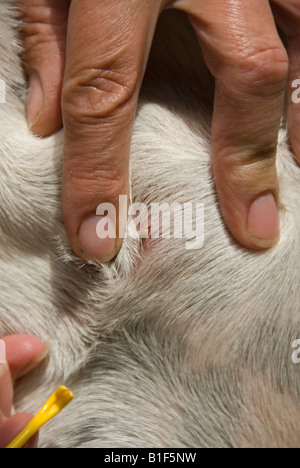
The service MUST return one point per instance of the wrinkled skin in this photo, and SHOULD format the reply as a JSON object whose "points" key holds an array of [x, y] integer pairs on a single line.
{"points": [[85, 62]]}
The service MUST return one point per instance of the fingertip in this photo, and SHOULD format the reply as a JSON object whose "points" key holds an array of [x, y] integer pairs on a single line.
{"points": [[43, 31], [97, 239], [263, 220], [35, 100], [255, 223], [43, 111], [6, 390], [24, 352], [95, 218]]}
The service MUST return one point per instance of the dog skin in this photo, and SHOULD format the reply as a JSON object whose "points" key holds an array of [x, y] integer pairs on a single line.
{"points": [[163, 347]]}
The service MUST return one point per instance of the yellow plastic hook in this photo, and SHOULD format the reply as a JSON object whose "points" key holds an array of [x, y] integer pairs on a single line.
{"points": [[57, 402]]}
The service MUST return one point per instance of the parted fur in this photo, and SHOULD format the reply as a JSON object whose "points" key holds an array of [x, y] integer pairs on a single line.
{"points": [[164, 347]]}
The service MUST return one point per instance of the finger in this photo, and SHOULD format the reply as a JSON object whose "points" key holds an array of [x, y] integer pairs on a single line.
{"points": [[6, 390], [249, 62], [107, 49], [24, 352], [11, 427], [287, 15], [44, 24], [294, 94]]}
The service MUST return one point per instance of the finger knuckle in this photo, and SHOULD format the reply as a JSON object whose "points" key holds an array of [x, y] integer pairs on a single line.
{"points": [[96, 94], [265, 68]]}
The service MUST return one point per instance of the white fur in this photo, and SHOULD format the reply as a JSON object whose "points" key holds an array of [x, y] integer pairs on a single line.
{"points": [[164, 347]]}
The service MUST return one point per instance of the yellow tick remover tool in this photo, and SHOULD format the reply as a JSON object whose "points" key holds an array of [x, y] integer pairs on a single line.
{"points": [[57, 402]]}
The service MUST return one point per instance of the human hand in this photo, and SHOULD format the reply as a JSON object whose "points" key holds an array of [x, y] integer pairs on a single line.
{"points": [[23, 353], [86, 61]]}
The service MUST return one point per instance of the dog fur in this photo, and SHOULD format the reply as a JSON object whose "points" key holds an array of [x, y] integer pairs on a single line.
{"points": [[163, 347]]}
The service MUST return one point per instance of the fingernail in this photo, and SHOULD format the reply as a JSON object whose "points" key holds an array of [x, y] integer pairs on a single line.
{"points": [[97, 238], [35, 100], [263, 220], [35, 361]]}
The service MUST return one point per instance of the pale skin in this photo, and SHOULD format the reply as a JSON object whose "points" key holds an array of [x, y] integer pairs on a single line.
{"points": [[85, 61], [23, 353]]}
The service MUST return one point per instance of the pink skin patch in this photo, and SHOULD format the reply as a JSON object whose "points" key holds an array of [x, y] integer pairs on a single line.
{"points": [[2, 352]]}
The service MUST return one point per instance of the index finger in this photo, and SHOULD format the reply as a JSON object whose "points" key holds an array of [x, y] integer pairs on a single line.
{"points": [[108, 44]]}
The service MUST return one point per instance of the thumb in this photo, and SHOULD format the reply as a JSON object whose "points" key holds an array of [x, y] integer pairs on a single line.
{"points": [[44, 25]]}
